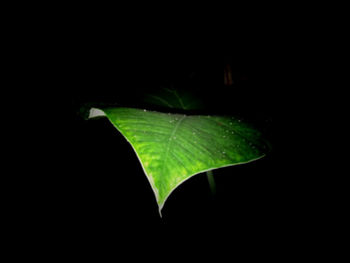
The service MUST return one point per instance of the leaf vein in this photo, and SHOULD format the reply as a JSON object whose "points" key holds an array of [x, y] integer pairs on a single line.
{"points": [[169, 142]]}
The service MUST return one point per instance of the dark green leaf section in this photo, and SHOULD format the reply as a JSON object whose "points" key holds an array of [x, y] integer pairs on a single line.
{"points": [[174, 147], [174, 99]]}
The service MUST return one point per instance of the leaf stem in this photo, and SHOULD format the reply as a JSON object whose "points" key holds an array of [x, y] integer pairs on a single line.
{"points": [[211, 182]]}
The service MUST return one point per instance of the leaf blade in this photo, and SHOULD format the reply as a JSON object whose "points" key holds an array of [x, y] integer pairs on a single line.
{"points": [[174, 147]]}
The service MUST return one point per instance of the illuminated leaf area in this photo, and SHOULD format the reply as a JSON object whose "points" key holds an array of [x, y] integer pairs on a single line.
{"points": [[174, 147]]}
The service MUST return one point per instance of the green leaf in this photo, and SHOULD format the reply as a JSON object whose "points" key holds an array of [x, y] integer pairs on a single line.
{"points": [[174, 147], [174, 99]]}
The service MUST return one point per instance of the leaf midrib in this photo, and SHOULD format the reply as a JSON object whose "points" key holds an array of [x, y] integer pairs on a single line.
{"points": [[170, 141]]}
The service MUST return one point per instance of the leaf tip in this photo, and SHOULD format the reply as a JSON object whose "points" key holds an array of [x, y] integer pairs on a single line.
{"points": [[160, 212], [160, 208]]}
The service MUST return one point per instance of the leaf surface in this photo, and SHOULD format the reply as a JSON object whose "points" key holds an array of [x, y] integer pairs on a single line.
{"points": [[174, 147]]}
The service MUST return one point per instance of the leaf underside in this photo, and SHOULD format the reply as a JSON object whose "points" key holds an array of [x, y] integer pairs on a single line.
{"points": [[174, 147]]}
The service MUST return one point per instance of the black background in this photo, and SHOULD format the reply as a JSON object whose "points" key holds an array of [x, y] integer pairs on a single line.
{"points": [[107, 188], [80, 183], [95, 186]]}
